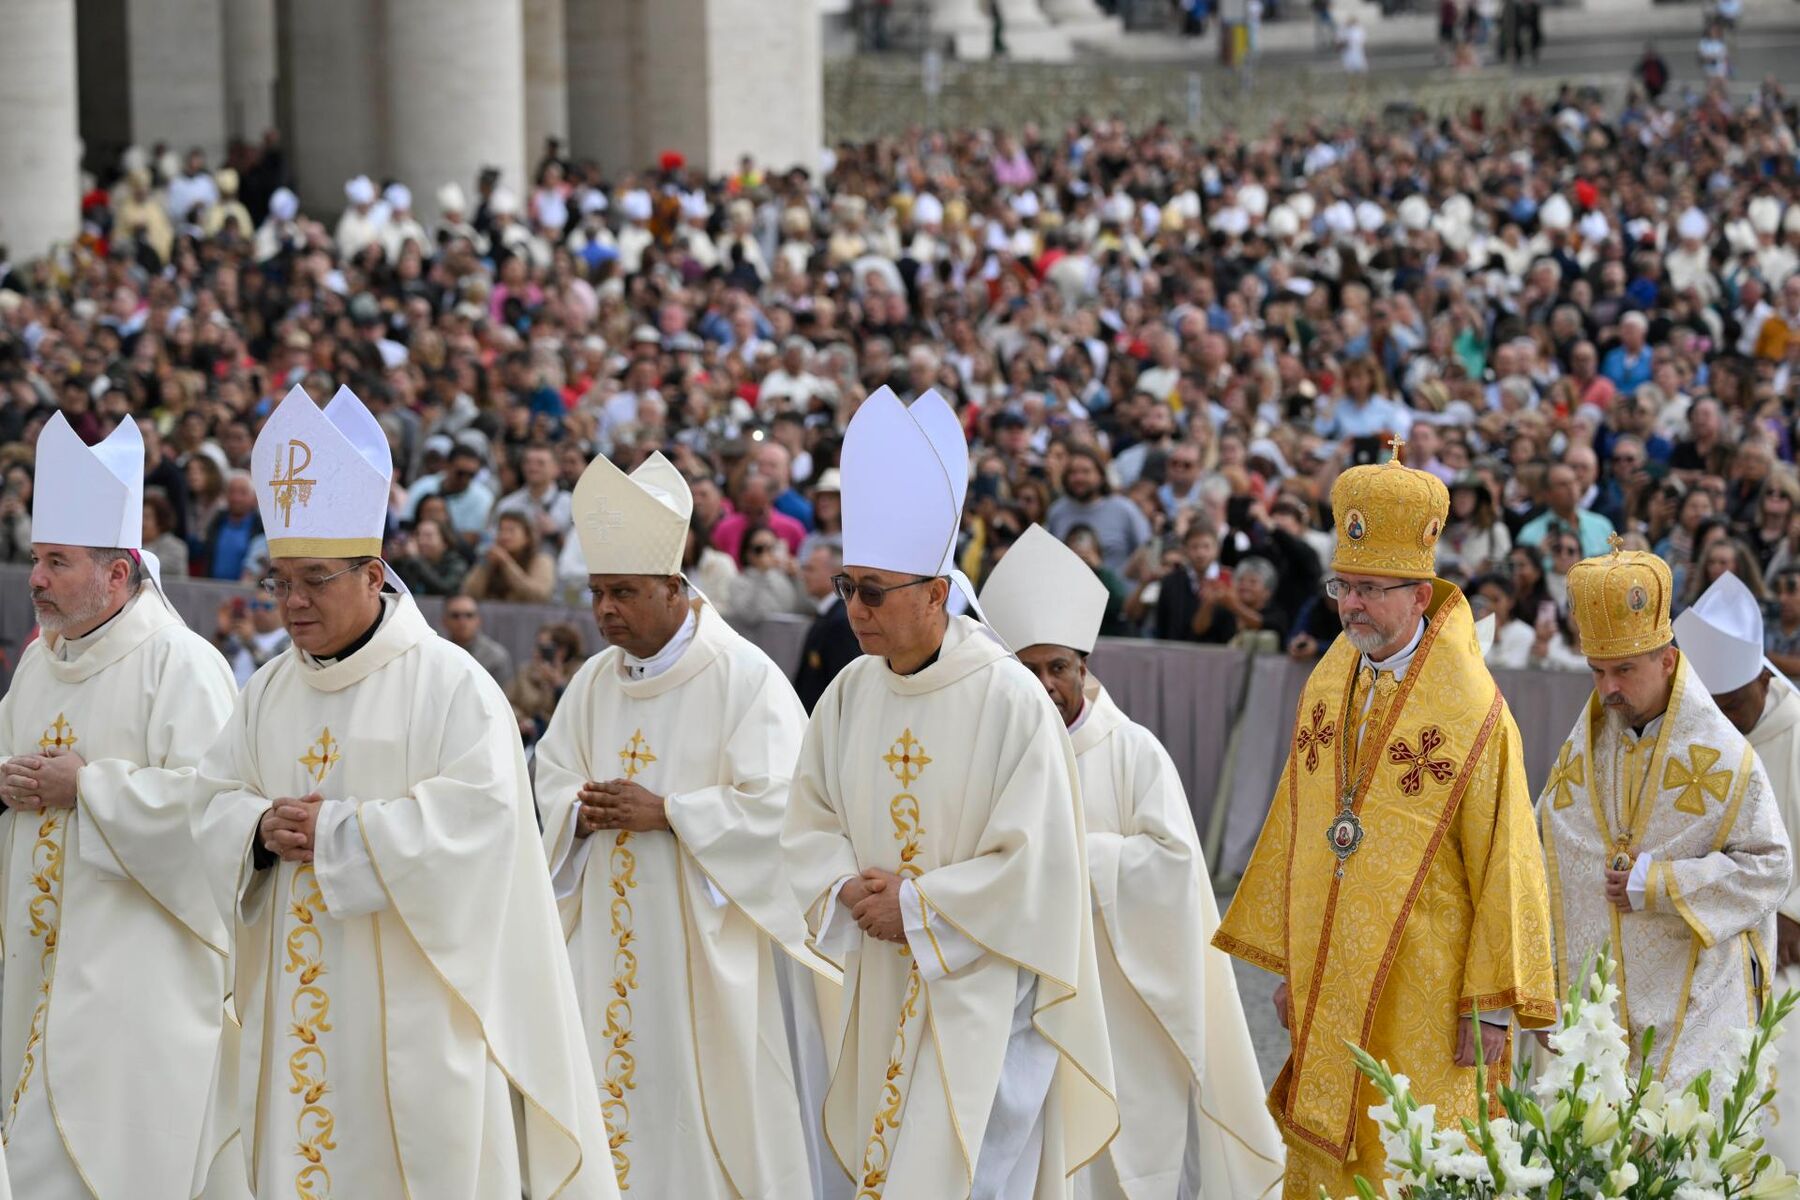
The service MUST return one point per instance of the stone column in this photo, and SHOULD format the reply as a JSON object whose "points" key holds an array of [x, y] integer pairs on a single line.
{"points": [[40, 148], [333, 97], [250, 68], [457, 100], [1029, 35], [1073, 11], [177, 51], [546, 76], [777, 116], [603, 74]]}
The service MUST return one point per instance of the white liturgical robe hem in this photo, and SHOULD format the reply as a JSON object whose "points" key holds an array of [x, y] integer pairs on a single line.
{"points": [[673, 935], [1181, 1046], [385, 1052], [959, 779], [1776, 739], [112, 999]]}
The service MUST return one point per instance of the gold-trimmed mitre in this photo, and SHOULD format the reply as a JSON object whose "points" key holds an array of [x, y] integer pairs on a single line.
{"points": [[1388, 520], [1621, 603]]}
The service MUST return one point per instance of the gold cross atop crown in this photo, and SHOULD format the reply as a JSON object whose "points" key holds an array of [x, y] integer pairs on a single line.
{"points": [[1615, 541], [1397, 444]]}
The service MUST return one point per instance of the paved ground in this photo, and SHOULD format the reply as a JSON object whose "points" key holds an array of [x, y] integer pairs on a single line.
{"points": [[1600, 41]]}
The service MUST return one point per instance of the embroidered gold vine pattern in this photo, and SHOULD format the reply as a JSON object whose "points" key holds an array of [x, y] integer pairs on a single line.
{"points": [[619, 1072], [907, 760], [45, 911], [311, 1005]]}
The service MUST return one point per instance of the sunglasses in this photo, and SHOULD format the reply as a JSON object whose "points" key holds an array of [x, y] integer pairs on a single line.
{"points": [[870, 594]]}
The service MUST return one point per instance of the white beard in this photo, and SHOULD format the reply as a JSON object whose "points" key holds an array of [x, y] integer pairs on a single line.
{"points": [[90, 604]]}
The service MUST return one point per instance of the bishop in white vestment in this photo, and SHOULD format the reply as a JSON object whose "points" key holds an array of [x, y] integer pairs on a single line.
{"points": [[934, 839], [1662, 837], [409, 1018], [662, 781], [112, 1006], [1721, 636], [1181, 1047]]}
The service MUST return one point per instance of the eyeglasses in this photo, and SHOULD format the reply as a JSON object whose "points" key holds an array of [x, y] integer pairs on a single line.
{"points": [[460, 616], [1368, 593], [760, 548], [308, 589], [870, 594]]}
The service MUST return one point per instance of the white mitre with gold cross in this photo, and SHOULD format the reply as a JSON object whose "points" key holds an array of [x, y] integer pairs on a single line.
{"points": [[322, 478], [1042, 594], [634, 524]]}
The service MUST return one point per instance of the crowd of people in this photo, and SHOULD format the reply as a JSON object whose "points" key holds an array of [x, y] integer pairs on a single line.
{"points": [[1584, 320]]}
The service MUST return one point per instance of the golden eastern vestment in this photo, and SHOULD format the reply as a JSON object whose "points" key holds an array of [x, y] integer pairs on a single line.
{"points": [[679, 939], [112, 1015], [1441, 908], [1695, 959]]}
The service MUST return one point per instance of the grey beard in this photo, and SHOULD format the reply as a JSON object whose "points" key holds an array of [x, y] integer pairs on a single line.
{"points": [[92, 603], [1365, 638]]}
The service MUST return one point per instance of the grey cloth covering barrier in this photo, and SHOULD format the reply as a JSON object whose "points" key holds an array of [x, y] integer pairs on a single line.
{"points": [[1183, 693]]}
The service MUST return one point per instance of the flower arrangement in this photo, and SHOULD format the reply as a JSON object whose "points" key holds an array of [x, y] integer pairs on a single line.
{"points": [[1589, 1130]]}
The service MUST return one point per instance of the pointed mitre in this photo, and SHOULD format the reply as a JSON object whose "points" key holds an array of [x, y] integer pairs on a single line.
{"points": [[632, 524], [905, 472], [322, 478], [89, 495], [1042, 594], [1722, 636]]}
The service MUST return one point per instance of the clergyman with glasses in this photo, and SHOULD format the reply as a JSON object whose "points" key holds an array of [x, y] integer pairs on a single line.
{"points": [[934, 839], [402, 984], [1397, 888]]}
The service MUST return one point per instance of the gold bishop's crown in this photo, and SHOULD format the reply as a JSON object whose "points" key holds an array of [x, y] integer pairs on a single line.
{"points": [[1621, 602], [1388, 519]]}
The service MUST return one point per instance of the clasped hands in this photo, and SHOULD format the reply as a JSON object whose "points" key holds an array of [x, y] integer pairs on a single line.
{"points": [[873, 899], [618, 804], [32, 782], [288, 828]]}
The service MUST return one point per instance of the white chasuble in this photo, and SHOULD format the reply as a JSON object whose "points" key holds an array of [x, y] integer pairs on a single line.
{"points": [[1179, 1038], [112, 1014], [399, 993], [673, 936], [1691, 798], [1776, 740], [960, 779]]}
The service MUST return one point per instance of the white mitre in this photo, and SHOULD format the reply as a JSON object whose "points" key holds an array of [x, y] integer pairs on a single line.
{"points": [[322, 478], [89, 495], [905, 471], [1042, 594], [634, 524], [1722, 636]]}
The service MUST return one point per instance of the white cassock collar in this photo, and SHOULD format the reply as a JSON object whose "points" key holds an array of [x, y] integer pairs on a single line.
{"points": [[662, 660], [1399, 662]]}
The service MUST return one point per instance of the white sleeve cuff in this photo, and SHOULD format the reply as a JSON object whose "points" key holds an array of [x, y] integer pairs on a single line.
{"points": [[838, 934], [1500, 1016], [346, 876], [565, 874], [1634, 887], [937, 946]]}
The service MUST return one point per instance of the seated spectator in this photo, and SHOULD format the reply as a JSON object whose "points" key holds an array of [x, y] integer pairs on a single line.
{"points": [[1781, 636], [754, 510], [514, 569], [231, 539], [1475, 539], [711, 571], [15, 515], [462, 628], [249, 633], [1250, 601], [768, 585], [1183, 589], [1562, 510], [159, 534], [1115, 521], [538, 685], [467, 500], [540, 498], [429, 562], [1086, 545], [1513, 638]]}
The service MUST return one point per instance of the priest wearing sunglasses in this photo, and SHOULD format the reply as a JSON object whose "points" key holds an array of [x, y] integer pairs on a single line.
{"points": [[933, 838]]}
